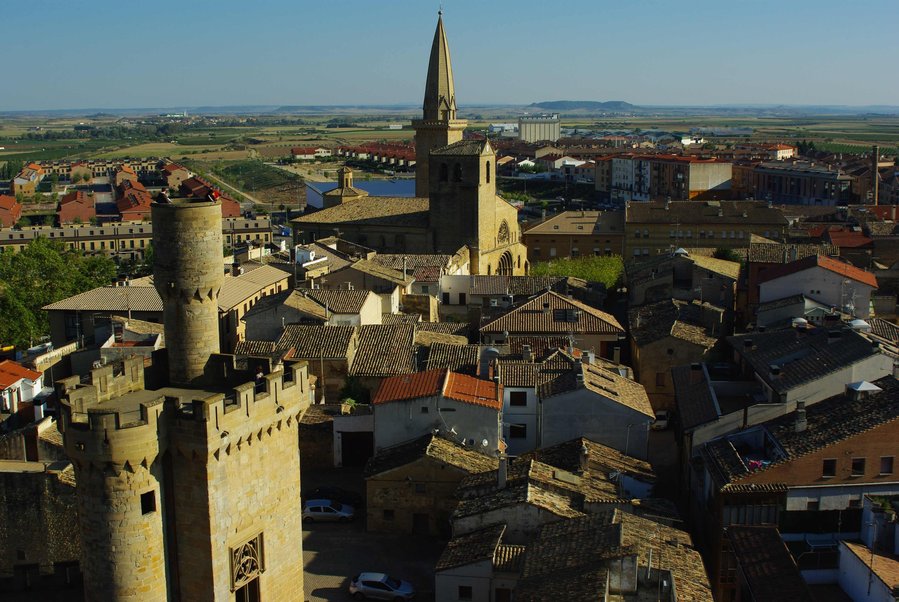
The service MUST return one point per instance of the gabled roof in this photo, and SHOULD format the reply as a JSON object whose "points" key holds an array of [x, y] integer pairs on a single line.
{"points": [[459, 387], [532, 317], [767, 565], [314, 342], [681, 320], [12, 372], [477, 546], [384, 211], [602, 381], [378, 271], [339, 301], [384, 350], [237, 289], [581, 453], [844, 270], [800, 356], [763, 251], [469, 389], [432, 446], [458, 358], [111, 298]]}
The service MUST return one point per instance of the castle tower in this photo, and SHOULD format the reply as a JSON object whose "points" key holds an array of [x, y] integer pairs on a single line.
{"points": [[438, 126], [188, 274], [115, 448]]}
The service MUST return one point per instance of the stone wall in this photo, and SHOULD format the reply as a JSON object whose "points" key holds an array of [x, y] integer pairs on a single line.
{"points": [[38, 516]]}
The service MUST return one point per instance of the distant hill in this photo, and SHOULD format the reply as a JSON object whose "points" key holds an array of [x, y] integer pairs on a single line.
{"points": [[585, 105]]}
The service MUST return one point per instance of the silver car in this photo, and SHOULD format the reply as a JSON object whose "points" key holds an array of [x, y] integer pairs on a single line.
{"points": [[380, 586], [327, 510]]}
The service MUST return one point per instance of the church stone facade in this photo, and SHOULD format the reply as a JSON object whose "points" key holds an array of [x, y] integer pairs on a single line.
{"points": [[456, 205]]}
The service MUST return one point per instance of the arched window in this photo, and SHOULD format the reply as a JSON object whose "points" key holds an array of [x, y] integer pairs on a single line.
{"points": [[488, 171], [444, 173], [457, 173], [502, 236]]}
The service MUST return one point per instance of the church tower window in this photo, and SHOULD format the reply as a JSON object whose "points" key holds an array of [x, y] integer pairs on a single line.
{"points": [[488, 171], [457, 173]]}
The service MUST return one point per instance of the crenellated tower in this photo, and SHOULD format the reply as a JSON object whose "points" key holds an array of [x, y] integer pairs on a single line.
{"points": [[188, 273], [438, 126]]}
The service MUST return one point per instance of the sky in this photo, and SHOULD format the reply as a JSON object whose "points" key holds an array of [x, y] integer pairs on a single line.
{"points": [[114, 54]]}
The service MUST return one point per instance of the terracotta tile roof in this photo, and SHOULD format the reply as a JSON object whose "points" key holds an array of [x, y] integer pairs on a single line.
{"points": [[463, 147], [10, 211], [884, 329], [599, 459], [425, 339], [456, 328], [541, 346], [237, 289], [413, 260], [563, 316], [706, 212], [583, 223], [111, 298], [12, 372], [339, 301], [311, 342], [515, 374], [469, 389], [508, 558], [432, 446], [731, 269], [773, 252], [681, 320], [398, 211], [836, 266], [472, 547], [516, 286], [695, 404], [457, 358], [255, 348], [602, 381], [378, 271], [410, 386], [767, 565], [884, 566], [801, 356], [848, 239], [384, 350], [76, 205]]}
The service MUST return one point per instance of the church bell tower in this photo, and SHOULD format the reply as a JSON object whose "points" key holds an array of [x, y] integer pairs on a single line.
{"points": [[438, 126]]}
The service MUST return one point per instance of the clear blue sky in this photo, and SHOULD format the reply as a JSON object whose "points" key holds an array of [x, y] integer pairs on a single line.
{"points": [[166, 53]]}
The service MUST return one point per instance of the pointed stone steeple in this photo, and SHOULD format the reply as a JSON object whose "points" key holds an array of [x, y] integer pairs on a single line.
{"points": [[440, 93], [438, 126]]}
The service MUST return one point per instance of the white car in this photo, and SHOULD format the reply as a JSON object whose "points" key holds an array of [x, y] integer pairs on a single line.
{"points": [[661, 421], [380, 586], [327, 510]]}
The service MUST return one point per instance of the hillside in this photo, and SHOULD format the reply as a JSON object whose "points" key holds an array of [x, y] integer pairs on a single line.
{"points": [[617, 106]]}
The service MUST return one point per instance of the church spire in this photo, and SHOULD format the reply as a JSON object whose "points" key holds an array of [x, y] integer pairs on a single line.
{"points": [[440, 93]]}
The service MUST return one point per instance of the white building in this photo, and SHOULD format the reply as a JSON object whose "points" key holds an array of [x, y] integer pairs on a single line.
{"points": [[538, 128], [18, 385]]}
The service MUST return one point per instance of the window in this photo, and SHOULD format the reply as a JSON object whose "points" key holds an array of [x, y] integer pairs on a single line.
{"points": [[420, 488], [829, 469], [886, 465], [518, 431], [488, 171], [465, 592], [387, 514], [518, 398], [424, 409], [148, 502], [855, 502], [457, 173], [812, 505], [660, 379], [858, 467]]}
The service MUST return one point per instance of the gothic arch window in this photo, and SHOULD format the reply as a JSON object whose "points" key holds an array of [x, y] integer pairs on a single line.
{"points": [[503, 235], [247, 562], [457, 172], [488, 171], [444, 173]]}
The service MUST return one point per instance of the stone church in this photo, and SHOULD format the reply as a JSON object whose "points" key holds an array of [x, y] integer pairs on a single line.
{"points": [[455, 204]]}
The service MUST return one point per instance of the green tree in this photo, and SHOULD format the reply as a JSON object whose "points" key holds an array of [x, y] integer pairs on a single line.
{"points": [[43, 273], [607, 270], [726, 254]]}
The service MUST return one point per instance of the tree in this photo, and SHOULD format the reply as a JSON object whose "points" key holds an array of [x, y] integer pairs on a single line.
{"points": [[607, 270], [727, 255], [43, 273]]}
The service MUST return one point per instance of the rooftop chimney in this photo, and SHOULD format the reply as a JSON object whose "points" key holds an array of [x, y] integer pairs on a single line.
{"points": [[502, 472], [405, 261], [801, 423], [526, 354], [584, 456]]}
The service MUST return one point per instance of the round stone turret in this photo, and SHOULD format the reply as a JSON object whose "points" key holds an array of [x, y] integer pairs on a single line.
{"points": [[188, 273]]}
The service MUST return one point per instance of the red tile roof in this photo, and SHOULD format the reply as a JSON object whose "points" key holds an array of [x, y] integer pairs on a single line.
{"points": [[459, 387], [469, 389], [76, 205], [409, 386], [10, 211], [828, 263], [12, 372], [848, 239]]}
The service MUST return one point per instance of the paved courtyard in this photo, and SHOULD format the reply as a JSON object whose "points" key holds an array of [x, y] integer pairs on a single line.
{"points": [[335, 552]]}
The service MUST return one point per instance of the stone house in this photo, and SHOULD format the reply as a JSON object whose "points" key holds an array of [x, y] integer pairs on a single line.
{"points": [[806, 471], [595, 401], [268, 318], [671, 333], [458, 405], [682, 276], [330, 352], [410, 487], [552, 315], [389, 284]]}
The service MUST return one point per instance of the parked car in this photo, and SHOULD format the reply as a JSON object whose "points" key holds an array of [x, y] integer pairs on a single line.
{"points": [[661, 421], [329, 492], [327, 510], [380, 586]]}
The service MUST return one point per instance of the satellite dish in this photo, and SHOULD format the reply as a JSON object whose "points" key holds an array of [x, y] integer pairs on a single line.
{"points": [[484, 443]]}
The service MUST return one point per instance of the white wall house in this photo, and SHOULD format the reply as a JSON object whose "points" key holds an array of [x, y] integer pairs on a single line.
{"points": [[18, 384], [824, 280]]}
